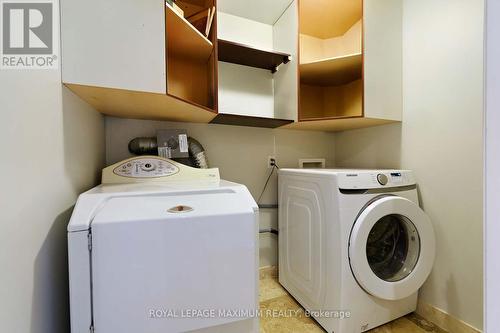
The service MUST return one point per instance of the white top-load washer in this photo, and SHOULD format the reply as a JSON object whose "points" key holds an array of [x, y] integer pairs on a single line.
{"points": [[354, 245], [161, 247]]}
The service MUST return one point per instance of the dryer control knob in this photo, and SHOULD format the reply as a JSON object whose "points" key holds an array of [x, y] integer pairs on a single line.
{"points": [[382, 179]]}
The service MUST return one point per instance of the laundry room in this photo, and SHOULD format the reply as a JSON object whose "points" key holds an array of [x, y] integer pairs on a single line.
{"points": [[225, 166]]}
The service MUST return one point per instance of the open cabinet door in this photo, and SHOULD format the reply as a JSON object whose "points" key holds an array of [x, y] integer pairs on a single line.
{"points": [[191, 40]]}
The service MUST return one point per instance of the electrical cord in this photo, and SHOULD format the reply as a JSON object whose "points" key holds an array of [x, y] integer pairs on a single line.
{"points": [[275, 166]]}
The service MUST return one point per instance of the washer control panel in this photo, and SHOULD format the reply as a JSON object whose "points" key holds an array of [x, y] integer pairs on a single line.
{"points": [[146, 168], [155, 169], [382, 179], [370, 179]]}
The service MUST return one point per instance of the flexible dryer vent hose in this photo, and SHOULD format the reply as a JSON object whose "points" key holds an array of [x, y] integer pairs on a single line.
{"points": [[197, 154], [149, 146], [143, 146]]}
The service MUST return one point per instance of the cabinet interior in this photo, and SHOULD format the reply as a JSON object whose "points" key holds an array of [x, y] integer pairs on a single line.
{"points": [[255, 39], [191, 55], [331, 59]]}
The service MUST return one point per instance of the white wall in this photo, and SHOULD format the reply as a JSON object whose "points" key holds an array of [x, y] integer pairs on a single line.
{"points": [[52, 146], [441, 140], [492, 165], [239, 152]]}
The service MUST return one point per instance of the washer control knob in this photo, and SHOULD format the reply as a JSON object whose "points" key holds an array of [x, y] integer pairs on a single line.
{"points": [[148, 167], [382, 179]]}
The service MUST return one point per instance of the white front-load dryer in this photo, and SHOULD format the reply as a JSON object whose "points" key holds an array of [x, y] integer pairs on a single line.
{"points": [[354, 245]]}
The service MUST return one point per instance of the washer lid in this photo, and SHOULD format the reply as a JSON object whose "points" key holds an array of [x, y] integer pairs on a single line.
{"points": [[392, 248], [172, 207], [90, 203]]}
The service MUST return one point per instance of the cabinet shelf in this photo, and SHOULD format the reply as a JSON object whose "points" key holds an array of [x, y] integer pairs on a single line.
{"points": [[241, 54], [142, 105], [332, 71], [251, 121], [188, 41], [337, 124]]}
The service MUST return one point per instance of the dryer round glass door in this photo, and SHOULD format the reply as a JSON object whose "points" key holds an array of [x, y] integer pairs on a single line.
{"points": [[391, 248]]}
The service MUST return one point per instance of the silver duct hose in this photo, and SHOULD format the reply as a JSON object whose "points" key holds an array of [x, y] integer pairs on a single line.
{"points": [[149, 146], [143, 146], [197, 154]]}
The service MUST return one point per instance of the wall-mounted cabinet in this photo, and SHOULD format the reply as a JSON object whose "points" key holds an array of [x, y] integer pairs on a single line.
{"points": [[303, 64], [350, 64], [257, 62], [141, 59]]}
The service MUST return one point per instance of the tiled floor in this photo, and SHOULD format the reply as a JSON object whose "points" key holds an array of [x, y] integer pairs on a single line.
{"points": [[274, 297]]}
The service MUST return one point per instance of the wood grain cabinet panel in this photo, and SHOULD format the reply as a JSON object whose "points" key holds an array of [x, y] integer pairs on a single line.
{"points": [[350, 64]]}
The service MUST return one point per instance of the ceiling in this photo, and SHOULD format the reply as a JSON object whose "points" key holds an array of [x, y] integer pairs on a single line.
{"points": [[264, 11], [328, 18]]}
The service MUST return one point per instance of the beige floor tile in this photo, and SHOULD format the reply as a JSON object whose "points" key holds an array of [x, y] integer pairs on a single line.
{"points": [[269, 289], [424, 324], [282, 314], [269, 272], [401, 325]]}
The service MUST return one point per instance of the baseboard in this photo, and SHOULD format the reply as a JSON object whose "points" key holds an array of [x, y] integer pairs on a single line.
{"points": [[443, 319]]}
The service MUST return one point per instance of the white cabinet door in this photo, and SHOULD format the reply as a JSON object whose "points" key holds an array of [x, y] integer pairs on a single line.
{"points": [[114, 44], [285, 30], [383, 59]]}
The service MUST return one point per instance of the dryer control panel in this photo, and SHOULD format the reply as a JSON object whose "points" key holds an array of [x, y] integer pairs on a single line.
{"points": [[154, 169]]}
